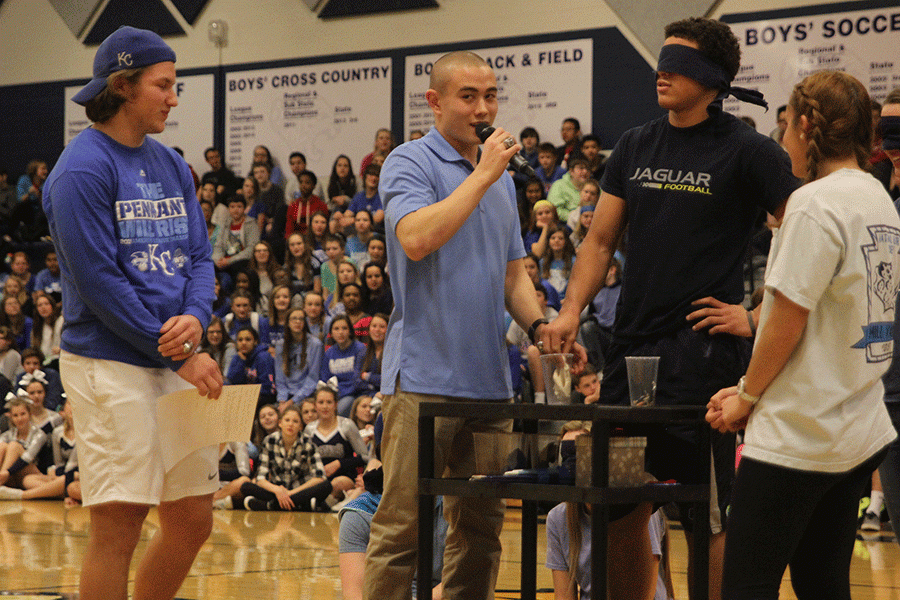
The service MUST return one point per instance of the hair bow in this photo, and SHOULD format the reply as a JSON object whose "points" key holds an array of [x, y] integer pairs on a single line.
{"points": [[38, 375], [331, 384], [20, 394]]}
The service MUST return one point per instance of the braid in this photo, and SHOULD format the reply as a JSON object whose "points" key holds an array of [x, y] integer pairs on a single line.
{"points": [[817, 143], [838, 111]]}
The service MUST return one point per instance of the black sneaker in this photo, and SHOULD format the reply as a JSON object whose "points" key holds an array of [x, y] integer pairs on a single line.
{"points": [[252, 503]]}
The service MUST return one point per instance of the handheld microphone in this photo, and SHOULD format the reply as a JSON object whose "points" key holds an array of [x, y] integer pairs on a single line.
{"points": [[517, 162]]}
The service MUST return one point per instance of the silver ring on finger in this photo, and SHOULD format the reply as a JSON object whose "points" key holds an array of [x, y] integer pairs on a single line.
{"points": [[509, 142], [540, 345], [188, 346]]}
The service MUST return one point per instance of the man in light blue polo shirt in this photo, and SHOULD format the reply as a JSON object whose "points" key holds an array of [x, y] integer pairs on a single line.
{"points": [[455, 257]]}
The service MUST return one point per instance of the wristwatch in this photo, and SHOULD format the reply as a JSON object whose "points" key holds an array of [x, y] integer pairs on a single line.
{"points": [[533, 329], [744, 395]]}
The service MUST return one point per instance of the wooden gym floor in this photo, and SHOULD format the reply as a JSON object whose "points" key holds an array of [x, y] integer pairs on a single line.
{"points": [[294, 556]]}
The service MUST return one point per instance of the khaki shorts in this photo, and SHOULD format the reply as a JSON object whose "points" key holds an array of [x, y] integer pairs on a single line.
{"points": [[119, 449]]}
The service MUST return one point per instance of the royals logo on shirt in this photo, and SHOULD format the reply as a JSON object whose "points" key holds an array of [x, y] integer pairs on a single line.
{"points": [[153, 219], [883, 273]]}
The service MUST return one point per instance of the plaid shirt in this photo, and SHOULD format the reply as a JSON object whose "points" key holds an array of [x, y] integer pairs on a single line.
{"points": [[289, 468]]}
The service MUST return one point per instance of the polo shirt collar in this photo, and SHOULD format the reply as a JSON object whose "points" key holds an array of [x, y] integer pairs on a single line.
{"points": [[442, 148]]}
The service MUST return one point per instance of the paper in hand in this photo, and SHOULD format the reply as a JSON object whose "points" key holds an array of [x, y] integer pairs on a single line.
{"points": [[188, 421]]}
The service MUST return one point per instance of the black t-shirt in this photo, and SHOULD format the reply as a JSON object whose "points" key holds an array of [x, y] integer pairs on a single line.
{"points": [[693, 196]]}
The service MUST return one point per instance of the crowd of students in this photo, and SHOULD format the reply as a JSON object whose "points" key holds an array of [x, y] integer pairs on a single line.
{"points": [[302, 307]]}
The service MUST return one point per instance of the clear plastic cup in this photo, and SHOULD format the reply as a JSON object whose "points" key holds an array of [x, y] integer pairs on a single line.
{"points": [[557, 377], [642, 373]]}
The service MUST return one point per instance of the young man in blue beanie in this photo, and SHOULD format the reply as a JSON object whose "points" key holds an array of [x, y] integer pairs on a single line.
{"points": [[137, 287]]}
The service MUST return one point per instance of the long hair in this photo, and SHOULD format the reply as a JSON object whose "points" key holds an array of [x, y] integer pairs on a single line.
{"points": [[250, 201], [368, 295], [253, 291], [338, 186], [339, 292], [304, 262], [523, 202], [37, 330], [290, 341], [353, 409], [346, 320], [268, 162], [839, 112], [258, 434], [371, 349], [273, 312], [22, 294], [15, 323], [218, 351], [311, 240], [574, 510], [107, 103], [7, 334], [271, 265], [568, 255], [322, 314]]}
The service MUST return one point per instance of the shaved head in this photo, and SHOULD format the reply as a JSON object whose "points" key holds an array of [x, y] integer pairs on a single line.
{"points": [[445, 65]]}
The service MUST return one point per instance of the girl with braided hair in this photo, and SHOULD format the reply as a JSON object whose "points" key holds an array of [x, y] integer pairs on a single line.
{"points": [[811, 398]]}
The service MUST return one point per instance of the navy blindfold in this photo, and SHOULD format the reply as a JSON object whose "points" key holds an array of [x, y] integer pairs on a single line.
{"points": [[690, 62], [889, 128]]}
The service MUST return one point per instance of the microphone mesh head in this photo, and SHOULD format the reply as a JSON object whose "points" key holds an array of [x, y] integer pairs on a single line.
{"points": [[483, 131]]}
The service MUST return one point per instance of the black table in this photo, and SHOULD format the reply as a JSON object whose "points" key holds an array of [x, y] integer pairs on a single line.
{"points": [[605, 419]]}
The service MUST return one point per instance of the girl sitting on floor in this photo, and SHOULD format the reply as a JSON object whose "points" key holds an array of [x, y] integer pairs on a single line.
{"points": [[19, 449], [290, 475], [337, 440]]}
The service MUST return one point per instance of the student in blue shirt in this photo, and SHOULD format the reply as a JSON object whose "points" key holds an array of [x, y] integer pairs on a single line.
{"points": [[367, 198], [137, 289], [298, 360], [344, 361]]}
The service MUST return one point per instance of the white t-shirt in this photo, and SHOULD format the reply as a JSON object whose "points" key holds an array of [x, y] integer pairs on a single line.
{"points": [[836, 254]]}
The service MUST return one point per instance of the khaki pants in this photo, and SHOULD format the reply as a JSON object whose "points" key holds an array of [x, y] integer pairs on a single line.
{"points": [[472, 555]]}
